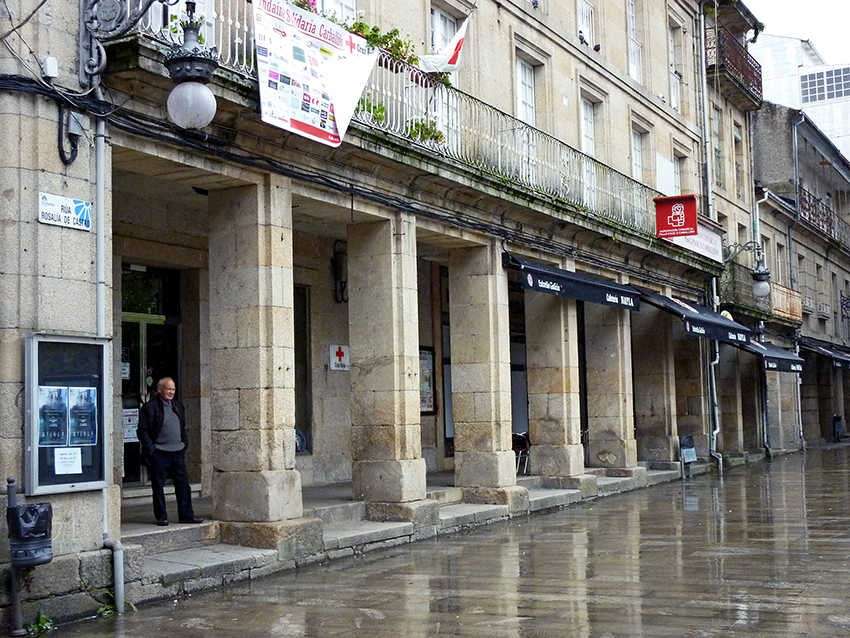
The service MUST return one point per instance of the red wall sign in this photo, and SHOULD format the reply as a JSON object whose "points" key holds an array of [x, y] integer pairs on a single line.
{"points": [[675, 216]]}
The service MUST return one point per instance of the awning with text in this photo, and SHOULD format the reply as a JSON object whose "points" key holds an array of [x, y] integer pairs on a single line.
{"points": [[573, 285], [699, 320]]}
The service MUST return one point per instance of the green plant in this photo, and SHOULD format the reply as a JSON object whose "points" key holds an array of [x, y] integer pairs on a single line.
{"points": [[424, 130], [109, 609], [443, 77], [400, 49], [41, 625], [375, 109]]}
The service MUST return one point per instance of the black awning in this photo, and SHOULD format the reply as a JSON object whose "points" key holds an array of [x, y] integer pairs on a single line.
{"points": [[776, 359], [573, 285], [699, 320], [839, 359]]}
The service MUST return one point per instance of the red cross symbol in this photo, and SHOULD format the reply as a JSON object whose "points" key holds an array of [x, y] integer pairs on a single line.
{"points": [[351, 44], [339, 354]]}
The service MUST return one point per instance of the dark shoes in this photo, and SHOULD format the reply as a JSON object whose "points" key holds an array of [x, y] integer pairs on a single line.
{"points": [[194, 519], [162, 522]]}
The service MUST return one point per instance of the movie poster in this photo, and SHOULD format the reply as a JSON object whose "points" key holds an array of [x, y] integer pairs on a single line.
{"points": [[52, 416], [83, 416]]}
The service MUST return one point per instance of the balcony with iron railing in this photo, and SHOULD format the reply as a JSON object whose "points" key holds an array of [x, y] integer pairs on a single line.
{"points": [[736, 291], [402, 101], [814, 211], [738, 72]]}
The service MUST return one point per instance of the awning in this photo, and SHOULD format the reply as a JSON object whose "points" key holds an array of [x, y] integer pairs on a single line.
{"points": [[699, 320], [573, 285], [839, 359], [776, 359]]}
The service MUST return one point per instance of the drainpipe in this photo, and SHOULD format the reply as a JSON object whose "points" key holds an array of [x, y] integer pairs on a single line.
{"points": [[709, 195], [765, 417], [100, 302], [799, 400]]}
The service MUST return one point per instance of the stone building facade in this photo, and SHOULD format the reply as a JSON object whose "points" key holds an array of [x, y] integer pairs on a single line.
{"points": [[297, 292]]}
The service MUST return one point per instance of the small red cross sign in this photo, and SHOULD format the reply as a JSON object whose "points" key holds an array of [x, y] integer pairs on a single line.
{"points": [[338, 358], [351, 44]]}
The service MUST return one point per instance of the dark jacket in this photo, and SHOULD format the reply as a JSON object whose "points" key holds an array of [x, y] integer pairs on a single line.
{"points": [[150, 423]]}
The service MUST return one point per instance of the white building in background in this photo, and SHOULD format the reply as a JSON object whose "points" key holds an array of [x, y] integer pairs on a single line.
{"points": [[796, 75]]}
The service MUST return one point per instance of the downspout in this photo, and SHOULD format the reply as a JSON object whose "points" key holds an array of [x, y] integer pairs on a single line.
{"points": [[709, 194], [100, 301], [765, 417], [794, 277], [799, 400]]}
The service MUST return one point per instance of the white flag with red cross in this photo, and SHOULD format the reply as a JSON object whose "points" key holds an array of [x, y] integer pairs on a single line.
{"points": [[449, 58]]}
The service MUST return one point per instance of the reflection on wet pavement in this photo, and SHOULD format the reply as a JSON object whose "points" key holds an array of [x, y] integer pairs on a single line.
{"points": [[762, 551]]}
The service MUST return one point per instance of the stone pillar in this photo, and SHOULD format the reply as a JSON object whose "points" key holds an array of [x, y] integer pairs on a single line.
{"points": [[654, 379], [388, 470], [251, 355], [693, 396], [730, 441], [752, 422], [481, 379], [553, 386], [610, 414]]}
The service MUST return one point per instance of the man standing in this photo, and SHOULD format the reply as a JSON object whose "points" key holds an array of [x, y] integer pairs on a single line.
{"points": [[162, 434]]}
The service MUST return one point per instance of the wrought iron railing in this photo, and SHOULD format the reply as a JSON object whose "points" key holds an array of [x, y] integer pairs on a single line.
{"points": [[226, 24], [785, 302], [405, 102], [722, 49], [822, 217]]}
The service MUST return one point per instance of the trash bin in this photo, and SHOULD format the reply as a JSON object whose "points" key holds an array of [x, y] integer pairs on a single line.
{"points": [[30, 534], [837, 427]]}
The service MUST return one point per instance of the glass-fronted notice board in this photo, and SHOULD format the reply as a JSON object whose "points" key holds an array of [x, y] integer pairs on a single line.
{"points": [[66, 413]]}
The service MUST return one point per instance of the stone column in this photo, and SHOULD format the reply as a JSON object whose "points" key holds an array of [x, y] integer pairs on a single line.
{"points": [[731, 438], [388, 470], [252, 373], [553, 386], [693, 396], [654, 379], [610, 413], [485, 464]]}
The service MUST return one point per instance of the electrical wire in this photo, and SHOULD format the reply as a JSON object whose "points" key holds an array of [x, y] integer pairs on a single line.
{"points": [[156, 129], [5, 35]]}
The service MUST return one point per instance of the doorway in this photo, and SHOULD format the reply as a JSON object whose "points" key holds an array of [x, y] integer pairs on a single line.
{"points": [[150, 323]]}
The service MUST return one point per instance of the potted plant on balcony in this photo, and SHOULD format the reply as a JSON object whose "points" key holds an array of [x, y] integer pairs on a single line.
{"points": [[424, 130], [371, 111]]}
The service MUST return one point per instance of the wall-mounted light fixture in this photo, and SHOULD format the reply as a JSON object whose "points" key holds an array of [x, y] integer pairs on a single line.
{"points": [[339, 268], [761, 274], [191, 104]]}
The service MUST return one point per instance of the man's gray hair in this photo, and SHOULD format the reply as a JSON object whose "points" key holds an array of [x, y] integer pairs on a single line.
{"points": [[162, 381]]}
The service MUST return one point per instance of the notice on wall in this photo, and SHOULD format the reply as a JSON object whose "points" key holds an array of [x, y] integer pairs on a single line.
{"points": [[64, 211], [68, 460], [52, 416], [131, 424], [311, 71]]}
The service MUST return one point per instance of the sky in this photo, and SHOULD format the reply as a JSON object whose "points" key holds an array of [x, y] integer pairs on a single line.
{"points": [[824, 22]]}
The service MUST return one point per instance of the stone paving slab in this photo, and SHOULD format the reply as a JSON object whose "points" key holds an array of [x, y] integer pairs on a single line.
{"points": [[454, 517], [542, 499], [204, 562], [362, 533]]}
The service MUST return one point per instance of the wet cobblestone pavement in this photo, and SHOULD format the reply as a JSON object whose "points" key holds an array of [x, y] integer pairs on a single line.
{"points": [[762, 551]]}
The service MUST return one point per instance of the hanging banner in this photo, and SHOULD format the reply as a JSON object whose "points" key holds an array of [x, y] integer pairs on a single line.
{"points": [[311, 71]]}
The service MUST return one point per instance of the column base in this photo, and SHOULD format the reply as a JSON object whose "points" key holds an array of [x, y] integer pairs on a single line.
{"points": [[257, 496], [293, 539], [485, 469], [399, 481], [424, 514], [612, 453], [556, 460]]}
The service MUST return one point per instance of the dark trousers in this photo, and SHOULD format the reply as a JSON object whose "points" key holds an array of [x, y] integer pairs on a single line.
{"points": [[165, 465]]}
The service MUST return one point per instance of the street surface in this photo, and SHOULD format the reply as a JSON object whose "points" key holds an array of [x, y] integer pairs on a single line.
{"points": [[762, 551]]}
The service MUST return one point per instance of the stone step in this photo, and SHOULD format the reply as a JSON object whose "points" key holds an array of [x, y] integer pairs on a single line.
{"points": [[175, 537], [171, 573], [462, 515], [338, 513], [445, 495], [136, 494], [543, 499], [348, 539], [526, 481]]}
